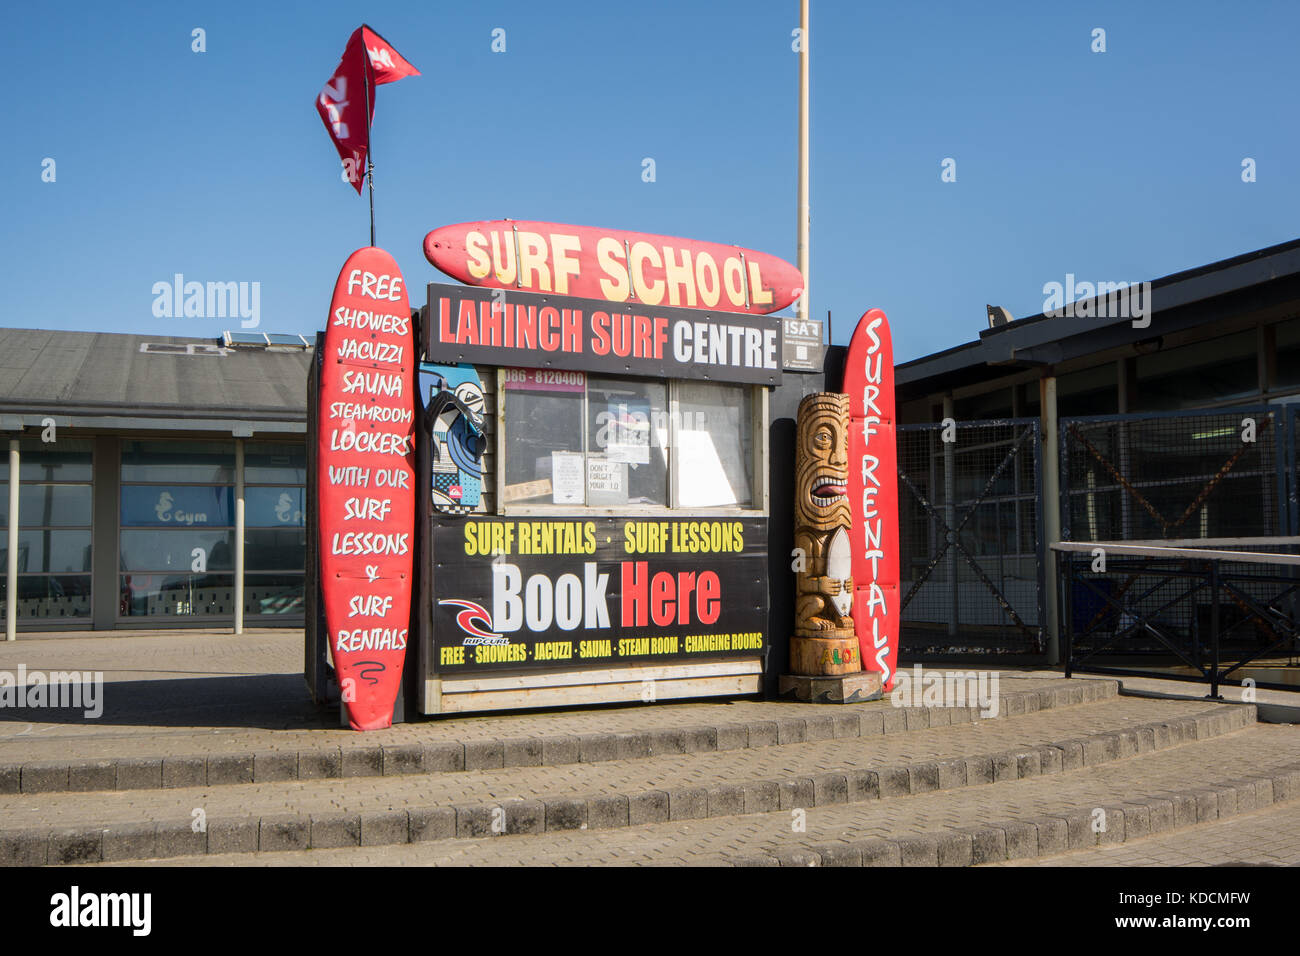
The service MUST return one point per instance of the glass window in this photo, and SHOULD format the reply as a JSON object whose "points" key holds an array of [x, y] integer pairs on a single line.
{"points": [[544, 433], [67, 459], [44, 552], [202, 462], [1192, 375], [627, 443], [1092, 391], [275, 463], [173, 550], [273, 594], [715, 445], [44, 596], [49, 506], [275, 549], [55, 505], [1287, 374], [605, 442], [271, 507], [177, 595], [172, 506]]}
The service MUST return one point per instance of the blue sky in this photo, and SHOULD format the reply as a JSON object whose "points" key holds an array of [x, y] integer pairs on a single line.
{"points": [[1114, 166]]}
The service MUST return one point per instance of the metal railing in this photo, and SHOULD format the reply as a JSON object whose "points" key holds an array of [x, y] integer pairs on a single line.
{"points": [[1215, 605]]}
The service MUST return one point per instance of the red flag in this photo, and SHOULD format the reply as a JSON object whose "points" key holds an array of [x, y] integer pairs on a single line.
{"points": [[368, 59], [386, 64]]}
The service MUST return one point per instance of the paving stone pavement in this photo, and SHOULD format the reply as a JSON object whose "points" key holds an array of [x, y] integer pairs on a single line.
{"points": [[1046, 811], [223, 723], [667, 773], [201, 710], [1267, 837]]}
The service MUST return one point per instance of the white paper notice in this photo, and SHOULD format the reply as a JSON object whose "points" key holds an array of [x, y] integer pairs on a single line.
{"points": [[567, 478], [606, 482]]}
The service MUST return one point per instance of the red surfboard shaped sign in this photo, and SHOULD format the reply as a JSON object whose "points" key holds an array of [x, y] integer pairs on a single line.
{"points": [[613, 264], [873, 494], [366, 483]]}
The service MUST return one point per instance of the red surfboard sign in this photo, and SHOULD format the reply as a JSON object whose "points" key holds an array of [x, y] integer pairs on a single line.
{"points": [[613, 264], [366, 483], [873, 494]]}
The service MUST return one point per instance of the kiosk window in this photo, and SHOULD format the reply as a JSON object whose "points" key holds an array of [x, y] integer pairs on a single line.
{"points": [[715, 450], [627, 455], [576, 441], [544, 414]]}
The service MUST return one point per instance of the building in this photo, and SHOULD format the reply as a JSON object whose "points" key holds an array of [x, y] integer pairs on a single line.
{"points": [[1174, 421], [133, 454]]}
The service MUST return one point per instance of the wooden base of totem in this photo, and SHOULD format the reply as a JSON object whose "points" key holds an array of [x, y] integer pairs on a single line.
{"points": [[828, 656], [841, 689]]}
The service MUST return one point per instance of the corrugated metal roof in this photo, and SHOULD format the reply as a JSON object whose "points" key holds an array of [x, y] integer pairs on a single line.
{"points": [[107, 372]]}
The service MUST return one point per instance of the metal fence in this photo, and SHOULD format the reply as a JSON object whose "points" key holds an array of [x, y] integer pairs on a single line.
{"points": [[1201, 474], [1210, 479], [970, 537], [1181, 610]]}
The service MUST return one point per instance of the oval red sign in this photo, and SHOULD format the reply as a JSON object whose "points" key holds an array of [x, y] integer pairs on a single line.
{"points": [[366, 483], [613, 264]]}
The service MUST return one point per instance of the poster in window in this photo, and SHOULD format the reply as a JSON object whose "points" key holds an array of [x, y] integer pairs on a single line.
{"points": [[626, 431]]}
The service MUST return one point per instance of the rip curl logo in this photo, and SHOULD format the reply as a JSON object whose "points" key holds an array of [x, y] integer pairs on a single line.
{"points": [[469, 619]]}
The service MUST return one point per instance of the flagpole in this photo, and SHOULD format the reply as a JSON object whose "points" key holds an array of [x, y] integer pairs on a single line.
{"points": [[801, 305], [370, 163]]}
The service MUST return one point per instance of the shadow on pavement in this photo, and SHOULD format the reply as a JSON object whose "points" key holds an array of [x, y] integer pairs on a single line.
{"points": [[269, 701]]}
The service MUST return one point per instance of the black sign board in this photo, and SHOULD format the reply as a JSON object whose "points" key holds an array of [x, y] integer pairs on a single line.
{"points": [[563, 593], [803, 348], [501, 328]]}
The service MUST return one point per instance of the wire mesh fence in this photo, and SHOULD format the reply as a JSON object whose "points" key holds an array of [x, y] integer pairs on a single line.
{"points": [[1204, 480], [970, 536], [1173, 475]]}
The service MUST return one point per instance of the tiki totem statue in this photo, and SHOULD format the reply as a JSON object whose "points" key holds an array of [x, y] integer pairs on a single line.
{"points": [[824, 642]]}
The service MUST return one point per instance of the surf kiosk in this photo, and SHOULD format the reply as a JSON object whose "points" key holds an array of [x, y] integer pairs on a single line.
{"points": [[591, 464]]}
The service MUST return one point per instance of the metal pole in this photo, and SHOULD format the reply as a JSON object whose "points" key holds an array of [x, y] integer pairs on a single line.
{"points": [[11, 572], [950, 519], [801, 306], [1214, 626], [1066, 559], [370, 164], [239, 536], [1051, 463]]}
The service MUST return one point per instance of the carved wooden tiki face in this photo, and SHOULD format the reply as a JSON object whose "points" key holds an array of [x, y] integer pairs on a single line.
{"points": [[822, 463]]}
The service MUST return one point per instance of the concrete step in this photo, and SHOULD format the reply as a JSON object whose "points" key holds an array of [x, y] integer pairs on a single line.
{"points": [[1179, 791], [94, 758], [109, 825], [1266, 836]]}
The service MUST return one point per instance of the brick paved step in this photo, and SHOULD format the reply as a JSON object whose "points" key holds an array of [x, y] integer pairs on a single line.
{"points": [[1177, 791], [1268, 836], [115, 825], [99, 759]]}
